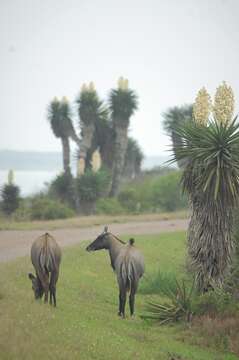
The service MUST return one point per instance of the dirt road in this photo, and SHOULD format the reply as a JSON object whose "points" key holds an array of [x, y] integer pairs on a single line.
{"points": [[15, 243]]}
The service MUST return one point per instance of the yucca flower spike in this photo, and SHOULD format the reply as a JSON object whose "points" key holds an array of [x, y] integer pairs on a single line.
{"points": [[224, 104], [202, 107]]}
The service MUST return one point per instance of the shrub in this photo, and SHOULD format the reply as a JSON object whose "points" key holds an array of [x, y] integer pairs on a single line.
{"points": [[23, 212], [215, 302], [109, 206], [92, 185], [166, 192], [43, 208], [128, 199], [158, 283], [62, 187], [154, 192], [179, 306], [10, 198]]}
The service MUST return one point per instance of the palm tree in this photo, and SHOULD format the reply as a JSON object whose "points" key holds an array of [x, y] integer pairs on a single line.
{"points": [[123, 103], [211, 179], [62, 127], [173, 118], [90, 110]]}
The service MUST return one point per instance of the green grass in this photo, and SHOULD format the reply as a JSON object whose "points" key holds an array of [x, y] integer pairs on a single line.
{"points": [[85, 324], [84, 221]]}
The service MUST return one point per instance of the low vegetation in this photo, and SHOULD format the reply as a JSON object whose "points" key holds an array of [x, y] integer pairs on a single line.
{"points": [[85, 324], [156, 191]]}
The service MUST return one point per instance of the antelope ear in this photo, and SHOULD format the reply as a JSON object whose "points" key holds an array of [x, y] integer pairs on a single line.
{"points": [[31, 276], [105, 229]]}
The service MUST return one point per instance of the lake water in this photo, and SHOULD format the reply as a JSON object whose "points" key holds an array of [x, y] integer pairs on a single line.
{"points": [[29, 182]]}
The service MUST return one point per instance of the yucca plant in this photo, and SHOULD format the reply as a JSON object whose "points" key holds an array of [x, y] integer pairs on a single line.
{"points": [[90, 110], [172, 119], [59, 116], [178, 308], [211, 179], [123, 103]]}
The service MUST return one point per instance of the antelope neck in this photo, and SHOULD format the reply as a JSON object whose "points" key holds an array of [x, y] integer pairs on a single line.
{"points": [[114, 247]]}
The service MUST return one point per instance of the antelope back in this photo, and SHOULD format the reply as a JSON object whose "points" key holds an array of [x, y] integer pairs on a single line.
{"points": [[45, 254]]}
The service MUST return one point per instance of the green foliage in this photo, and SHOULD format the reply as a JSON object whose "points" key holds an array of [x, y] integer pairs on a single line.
{"points": [[175, 116], [59, 116], [92, 185], [179, 307], [43, 208], [158, 282], [128, 199], [90, 107], [154, 192], [10, 198], [213, 162], [23, 212], [123, 104], [62, 187], [166, 192], [215, 302], [109, 206]]}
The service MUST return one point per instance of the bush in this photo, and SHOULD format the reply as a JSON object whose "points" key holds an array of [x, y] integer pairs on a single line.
{"points": [[23, 212], [109, 206], [92, 185], [215, 302], [47, 209], [158, 283], [10, 198], [154, 192], [167, 194], [62, 187], [178, 307], [128, 199]]}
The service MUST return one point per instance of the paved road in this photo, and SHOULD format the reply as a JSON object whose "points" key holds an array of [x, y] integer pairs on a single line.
{"points": [[15, 243]]}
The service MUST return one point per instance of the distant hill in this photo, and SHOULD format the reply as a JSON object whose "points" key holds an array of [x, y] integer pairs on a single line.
{"points": [[52, 161]]}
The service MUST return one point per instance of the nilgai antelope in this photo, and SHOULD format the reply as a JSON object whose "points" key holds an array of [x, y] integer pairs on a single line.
{"points": [[126, 261], [46, 258]]}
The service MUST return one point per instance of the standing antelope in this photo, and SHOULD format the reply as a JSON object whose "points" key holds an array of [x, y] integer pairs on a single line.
{"points": [[46, 258], [126, 261]]}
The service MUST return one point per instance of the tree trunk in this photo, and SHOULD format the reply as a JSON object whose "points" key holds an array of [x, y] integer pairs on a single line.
{"points": [[86, 140], [121, 142], [66, 155], [210, 243]]}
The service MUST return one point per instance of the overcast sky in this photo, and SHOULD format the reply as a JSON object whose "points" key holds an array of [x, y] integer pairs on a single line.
{"points": [[167, 49]]}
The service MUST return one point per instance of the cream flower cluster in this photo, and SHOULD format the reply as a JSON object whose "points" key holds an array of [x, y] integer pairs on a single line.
{"points": [[123, 84], [96, 161], [81, 167], [202, 107], [224, 103], [88, 88], [64, 100]]}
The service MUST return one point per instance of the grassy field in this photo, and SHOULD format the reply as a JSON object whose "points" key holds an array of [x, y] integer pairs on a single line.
{"points": [[84, 221], [85, 324]]}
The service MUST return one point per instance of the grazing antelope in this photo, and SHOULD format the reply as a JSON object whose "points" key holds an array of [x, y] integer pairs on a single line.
{"points": [[46, 258], [126, 261]]}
